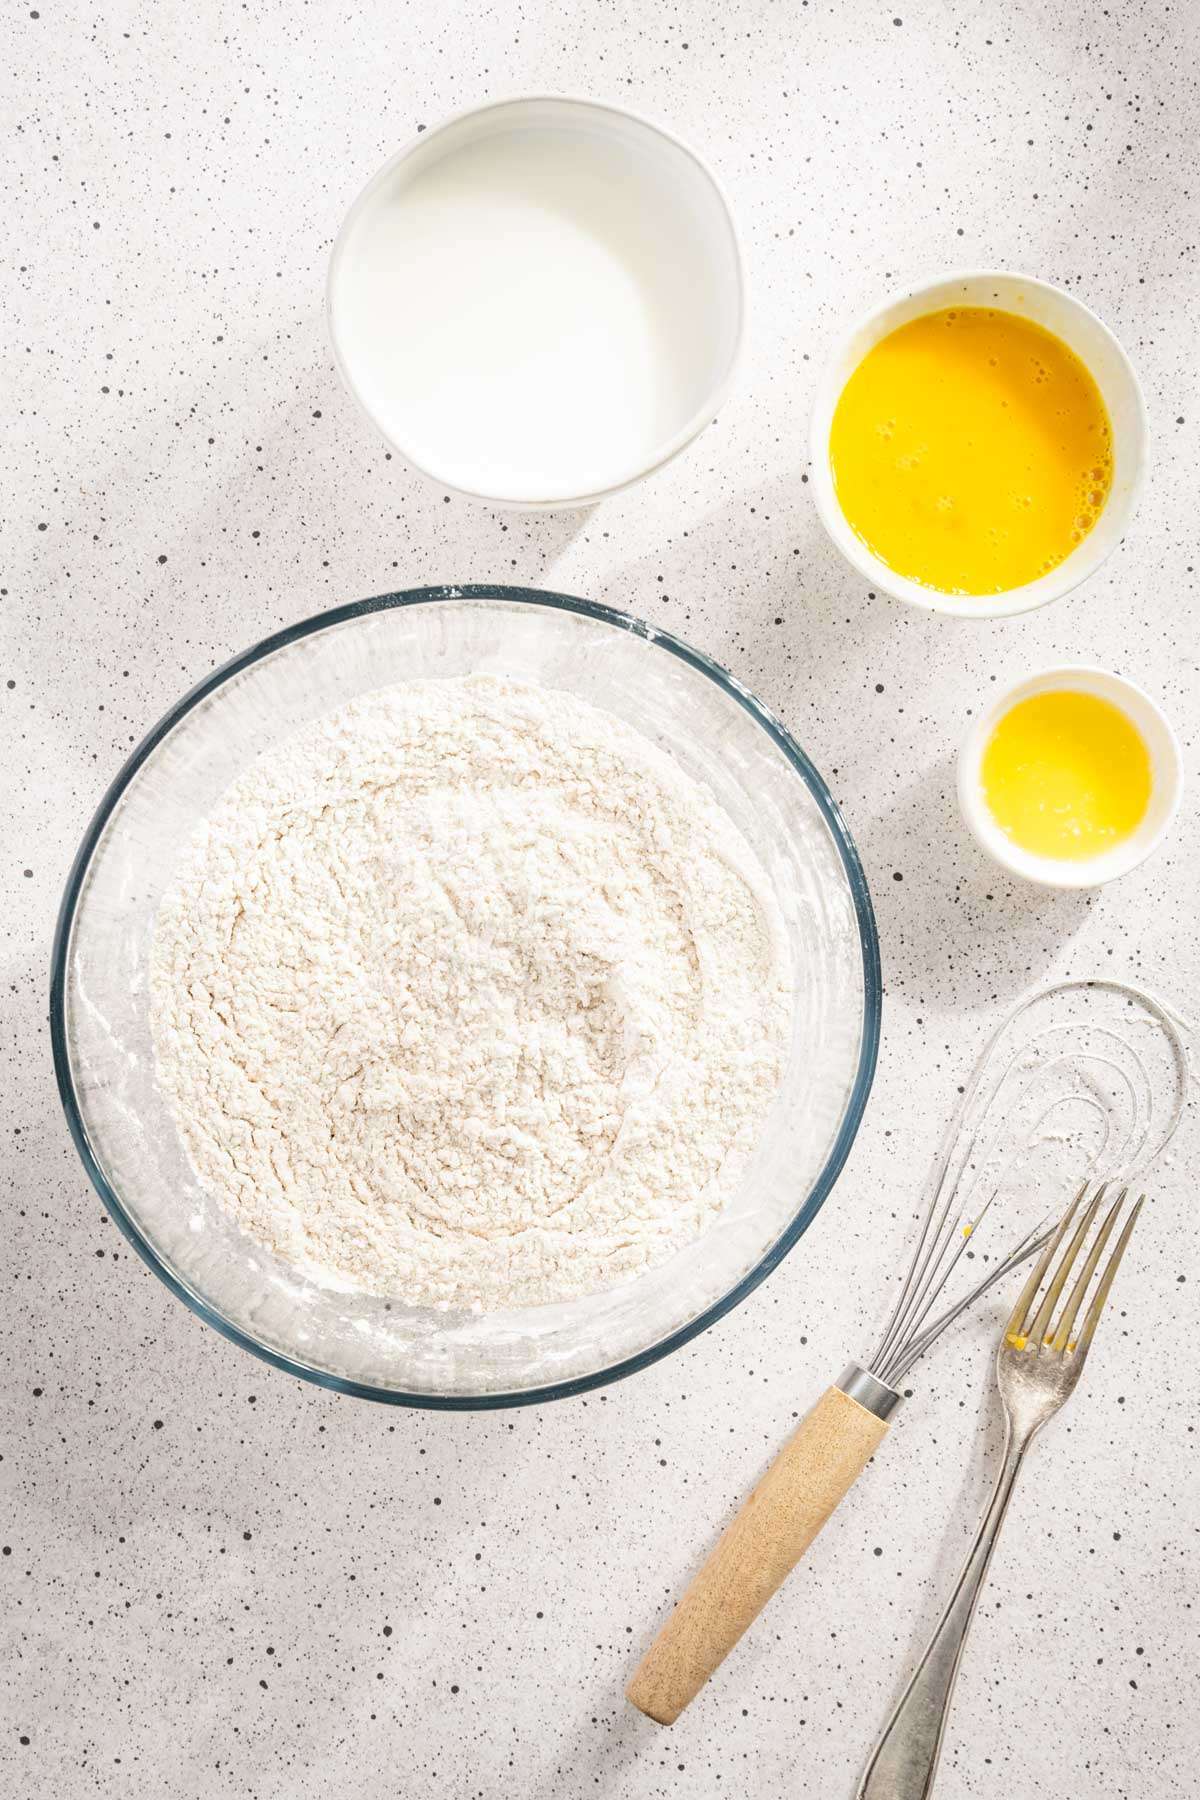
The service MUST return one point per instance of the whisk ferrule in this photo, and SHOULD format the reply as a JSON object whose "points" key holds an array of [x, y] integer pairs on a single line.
{"points": [[859, 1384]]}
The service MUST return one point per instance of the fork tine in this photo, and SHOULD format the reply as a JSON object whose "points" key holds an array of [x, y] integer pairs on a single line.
{"points": [[1045, 1312], [1020, 1312], [1062, 1335], [1106, 1281]]}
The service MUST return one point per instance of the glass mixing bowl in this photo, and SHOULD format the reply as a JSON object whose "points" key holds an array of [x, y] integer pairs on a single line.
{"points": [[385, 1349]]}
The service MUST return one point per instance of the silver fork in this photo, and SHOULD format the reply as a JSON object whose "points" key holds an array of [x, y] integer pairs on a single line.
{"points": [[1037, 1367]]}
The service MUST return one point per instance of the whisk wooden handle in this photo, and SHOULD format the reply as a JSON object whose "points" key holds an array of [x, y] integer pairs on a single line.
{"points": [[758, 1549]]}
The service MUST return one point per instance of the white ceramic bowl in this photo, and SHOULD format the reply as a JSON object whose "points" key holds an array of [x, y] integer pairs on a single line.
{"points": [[1166, 773], [1094, 344], [539, 301]]}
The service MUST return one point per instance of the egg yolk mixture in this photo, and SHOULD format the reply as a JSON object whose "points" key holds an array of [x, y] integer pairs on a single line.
{"points": [[1066, 775], [971, 451]]}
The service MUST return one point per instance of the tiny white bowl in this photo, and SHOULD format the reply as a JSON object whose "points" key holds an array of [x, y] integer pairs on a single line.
{"points": [[661, 236], [1166, 768], [1056, 311]]}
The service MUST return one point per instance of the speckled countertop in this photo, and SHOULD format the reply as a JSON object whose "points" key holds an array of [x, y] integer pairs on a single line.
{"points": [[216, 1581]]}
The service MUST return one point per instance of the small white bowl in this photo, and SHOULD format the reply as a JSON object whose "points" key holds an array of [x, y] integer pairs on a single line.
{"points": [[1166, 769], [539, 301], [1096, 347]]}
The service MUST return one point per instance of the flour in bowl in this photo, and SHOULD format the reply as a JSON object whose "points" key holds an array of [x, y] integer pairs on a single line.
{"points": [[468, 995]]}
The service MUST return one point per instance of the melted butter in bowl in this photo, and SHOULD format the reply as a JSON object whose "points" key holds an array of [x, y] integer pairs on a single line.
{"points": [[1070, 778], [1067, 774]]}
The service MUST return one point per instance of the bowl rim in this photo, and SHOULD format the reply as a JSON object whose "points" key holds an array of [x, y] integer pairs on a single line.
{"points": [[1013, 601], [663, 453], [868, 944], [1055, 872]]}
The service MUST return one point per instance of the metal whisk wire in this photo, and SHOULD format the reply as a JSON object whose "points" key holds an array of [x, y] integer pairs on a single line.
{"points": [[894, 1363], [945, 1235], [947, 1227]]}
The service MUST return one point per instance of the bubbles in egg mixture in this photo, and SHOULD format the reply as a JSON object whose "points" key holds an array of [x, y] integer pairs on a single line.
{"points": [[971, 450]]}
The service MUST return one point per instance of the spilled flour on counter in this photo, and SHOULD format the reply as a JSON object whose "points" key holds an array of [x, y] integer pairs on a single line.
{"points": [[468, 995]]}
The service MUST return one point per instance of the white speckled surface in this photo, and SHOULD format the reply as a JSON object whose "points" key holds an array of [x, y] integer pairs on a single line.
{"points": [[216, 1581]]}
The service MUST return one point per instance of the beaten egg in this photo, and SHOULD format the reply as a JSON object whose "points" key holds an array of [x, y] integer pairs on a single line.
{"points": [[971, 450]]}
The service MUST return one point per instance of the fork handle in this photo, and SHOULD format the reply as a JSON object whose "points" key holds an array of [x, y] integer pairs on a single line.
{"points": [[763, 1543], [905, 1761]]}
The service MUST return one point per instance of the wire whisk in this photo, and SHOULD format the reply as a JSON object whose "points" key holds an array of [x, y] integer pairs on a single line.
{"points": [[1059, 1081], [1082, 1077]]}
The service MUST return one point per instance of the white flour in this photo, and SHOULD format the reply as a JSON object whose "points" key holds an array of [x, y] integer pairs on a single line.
{"points": [[468, 995]]}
